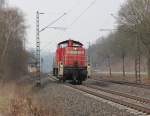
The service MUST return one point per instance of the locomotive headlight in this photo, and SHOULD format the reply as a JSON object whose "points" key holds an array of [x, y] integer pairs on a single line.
{"points": [[75, 48], [89, 70]]}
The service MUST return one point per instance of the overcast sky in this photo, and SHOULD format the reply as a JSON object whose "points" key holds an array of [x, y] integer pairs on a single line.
{"points": [[85, 29]]}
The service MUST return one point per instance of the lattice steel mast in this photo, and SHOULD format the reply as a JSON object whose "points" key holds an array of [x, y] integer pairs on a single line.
{"points": [[38, 65], [138, 59], [38, 58]]}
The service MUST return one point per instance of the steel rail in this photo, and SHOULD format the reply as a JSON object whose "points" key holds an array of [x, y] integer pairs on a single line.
{"points": [[109, 95], [138, 98], [136, 106], [132, 84]]}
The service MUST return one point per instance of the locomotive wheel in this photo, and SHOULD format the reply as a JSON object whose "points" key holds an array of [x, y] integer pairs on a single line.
{"points": [[61, 80], [79, 81], [75, 78], [79, 77], [64, 79], [74, 82]]}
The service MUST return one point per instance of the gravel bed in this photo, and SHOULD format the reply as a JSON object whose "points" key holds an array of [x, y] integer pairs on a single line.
{"points": [[70, 102], [122, 88]]}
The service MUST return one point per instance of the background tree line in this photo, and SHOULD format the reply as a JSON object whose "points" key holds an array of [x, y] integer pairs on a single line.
{"points": [[130, 39], [13, 57]]}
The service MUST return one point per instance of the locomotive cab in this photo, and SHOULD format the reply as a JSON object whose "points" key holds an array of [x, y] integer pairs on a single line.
{"points": [[71, 62]]}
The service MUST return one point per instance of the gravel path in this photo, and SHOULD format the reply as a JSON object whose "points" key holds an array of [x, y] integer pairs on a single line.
{"points": [[70, 102]]}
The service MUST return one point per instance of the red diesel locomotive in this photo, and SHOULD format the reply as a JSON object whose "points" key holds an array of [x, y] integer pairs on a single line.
{"points": [[71, 62]]}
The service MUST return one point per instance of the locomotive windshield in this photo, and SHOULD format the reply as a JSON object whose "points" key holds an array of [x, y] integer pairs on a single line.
{"points": [[75, 52], [63, 45]]}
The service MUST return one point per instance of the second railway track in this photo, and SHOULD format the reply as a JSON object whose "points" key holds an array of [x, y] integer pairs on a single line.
{"points": [[134, 102], [137, 98], [139, 85], [139, 104]]}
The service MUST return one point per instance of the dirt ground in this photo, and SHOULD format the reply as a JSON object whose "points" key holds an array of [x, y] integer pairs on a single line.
{"points": [[53, 99], [118, 77]]}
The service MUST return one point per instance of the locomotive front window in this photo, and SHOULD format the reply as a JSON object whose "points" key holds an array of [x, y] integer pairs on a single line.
{"points": [[74, 52]]}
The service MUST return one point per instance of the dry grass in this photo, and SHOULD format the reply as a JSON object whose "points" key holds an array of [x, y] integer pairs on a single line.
{"points": [[25, 107], [146, 80], [21, 101], [51, 100], [3, 103]]}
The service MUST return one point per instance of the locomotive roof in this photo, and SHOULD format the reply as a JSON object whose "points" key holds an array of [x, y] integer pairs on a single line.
{"points": [[66, 41]]}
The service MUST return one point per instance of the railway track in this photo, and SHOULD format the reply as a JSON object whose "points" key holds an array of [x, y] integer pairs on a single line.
{"points": [[137, 103], [145, 86], [137, 98], [134, 102]]}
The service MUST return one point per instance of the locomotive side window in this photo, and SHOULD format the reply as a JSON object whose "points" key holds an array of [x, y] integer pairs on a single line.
{"points": [[63, 45], [76, 45]]}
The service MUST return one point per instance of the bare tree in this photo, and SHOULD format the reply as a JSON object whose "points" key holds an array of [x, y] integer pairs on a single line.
{"points": [[134, 17], [12, 35], [2, 3]]}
